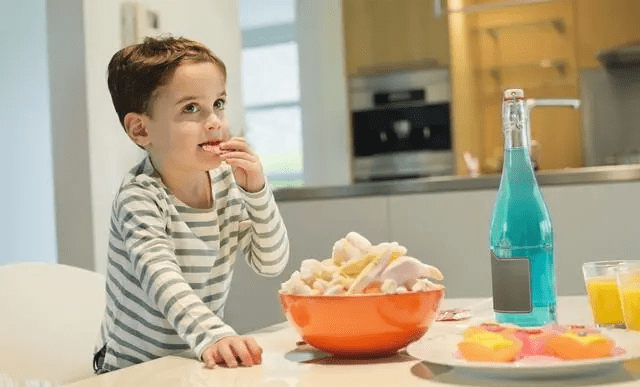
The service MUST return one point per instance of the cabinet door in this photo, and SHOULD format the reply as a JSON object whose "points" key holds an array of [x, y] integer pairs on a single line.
{"points": [[315, 225], [603, 24], [358, 33], [381, 34], [530, 47], [449, 230]]}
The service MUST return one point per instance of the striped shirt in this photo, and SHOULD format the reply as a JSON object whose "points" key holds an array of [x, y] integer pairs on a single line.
{"points": [[169, 265]]}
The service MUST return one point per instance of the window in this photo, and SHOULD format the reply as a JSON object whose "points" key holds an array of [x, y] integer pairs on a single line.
{"points": [[271, 88]]}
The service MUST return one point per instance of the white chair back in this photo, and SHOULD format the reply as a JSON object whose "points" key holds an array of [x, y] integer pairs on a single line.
{"points": [[49, 321]]}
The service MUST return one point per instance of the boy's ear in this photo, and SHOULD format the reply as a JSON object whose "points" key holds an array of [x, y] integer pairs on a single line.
{"points": [[135, 126]]}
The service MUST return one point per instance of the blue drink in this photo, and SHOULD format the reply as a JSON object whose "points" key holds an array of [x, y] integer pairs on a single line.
{"points": [[521, 235]]}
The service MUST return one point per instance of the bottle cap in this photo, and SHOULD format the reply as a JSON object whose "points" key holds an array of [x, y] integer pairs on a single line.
{"points": [[513, 95]]}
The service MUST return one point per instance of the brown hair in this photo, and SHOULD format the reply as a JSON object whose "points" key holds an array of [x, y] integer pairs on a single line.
{"points": [[136, 71]]}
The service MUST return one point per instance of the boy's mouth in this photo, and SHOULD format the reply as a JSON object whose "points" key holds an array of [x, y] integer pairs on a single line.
{"points": [[211, 146]]}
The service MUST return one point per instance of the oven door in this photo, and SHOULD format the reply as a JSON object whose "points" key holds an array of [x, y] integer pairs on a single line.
{"points": [[402, 142]]}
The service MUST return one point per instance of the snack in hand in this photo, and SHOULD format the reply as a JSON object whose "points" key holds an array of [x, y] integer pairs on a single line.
{"points": [[357, 267]]}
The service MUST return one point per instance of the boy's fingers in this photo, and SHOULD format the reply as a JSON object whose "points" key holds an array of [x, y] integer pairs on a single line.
{"points": [[255, 350], [236, 143], [208, 359], [216, 356], [227, 355], [242, 352]]}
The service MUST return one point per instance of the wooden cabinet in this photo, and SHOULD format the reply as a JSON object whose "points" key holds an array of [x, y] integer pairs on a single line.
{"points": [[603, 24], [385, 34], [539, 47], [530, 47]]}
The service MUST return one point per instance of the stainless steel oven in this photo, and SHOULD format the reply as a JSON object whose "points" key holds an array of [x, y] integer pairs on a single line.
{"points": [[403, 130]]}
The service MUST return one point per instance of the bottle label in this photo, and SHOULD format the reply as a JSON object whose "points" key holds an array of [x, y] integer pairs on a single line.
{"points": [[511, 284]]}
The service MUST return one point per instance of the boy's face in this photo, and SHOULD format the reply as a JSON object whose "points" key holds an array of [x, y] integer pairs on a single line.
{"points": [[185, 114]]}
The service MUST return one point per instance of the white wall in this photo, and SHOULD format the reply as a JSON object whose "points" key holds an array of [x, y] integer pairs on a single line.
{"points": [[27, 230], [213, 22], [323, 93], [66, 53]]}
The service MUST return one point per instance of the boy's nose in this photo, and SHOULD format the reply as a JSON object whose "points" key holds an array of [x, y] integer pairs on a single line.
{"points": [[214, 122]]}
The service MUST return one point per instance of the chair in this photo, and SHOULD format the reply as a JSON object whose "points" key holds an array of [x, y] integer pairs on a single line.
{"points": [[49, 321]]}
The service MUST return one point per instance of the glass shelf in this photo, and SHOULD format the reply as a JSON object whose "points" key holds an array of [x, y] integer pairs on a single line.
{"points": [[531, 89], [557, 24], [560, 66]]}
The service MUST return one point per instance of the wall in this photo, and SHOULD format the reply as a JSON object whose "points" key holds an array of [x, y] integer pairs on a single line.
{"points": [[214, 22], [323, 93], [69, 135], [27, 230]]}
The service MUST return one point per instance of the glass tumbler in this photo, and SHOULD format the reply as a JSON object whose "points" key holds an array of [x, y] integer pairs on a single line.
{"points": [[628, 280], [602, 291]]}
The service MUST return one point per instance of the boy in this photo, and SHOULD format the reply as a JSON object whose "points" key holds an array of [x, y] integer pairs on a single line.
{"points": [[181, 215]]}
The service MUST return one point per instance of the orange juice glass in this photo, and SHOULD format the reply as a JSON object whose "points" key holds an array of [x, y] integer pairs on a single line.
{"points": [[628, 279], [603, 293]]}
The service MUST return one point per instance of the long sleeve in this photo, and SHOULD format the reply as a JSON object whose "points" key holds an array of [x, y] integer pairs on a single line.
{"points": [[263, 238], [150, 250], [170, 266]]}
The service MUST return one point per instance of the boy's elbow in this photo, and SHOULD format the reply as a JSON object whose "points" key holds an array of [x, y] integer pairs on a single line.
{"points": [[274, 267]]}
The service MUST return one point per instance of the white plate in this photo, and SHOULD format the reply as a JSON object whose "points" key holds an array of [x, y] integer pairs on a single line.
{"points": [[442, 348]]}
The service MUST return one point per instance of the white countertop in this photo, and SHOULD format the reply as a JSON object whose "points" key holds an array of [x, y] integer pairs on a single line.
{"points": [[283, 364]]}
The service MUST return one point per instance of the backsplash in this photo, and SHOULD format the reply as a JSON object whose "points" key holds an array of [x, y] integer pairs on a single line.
{"points": [[611, 115]]}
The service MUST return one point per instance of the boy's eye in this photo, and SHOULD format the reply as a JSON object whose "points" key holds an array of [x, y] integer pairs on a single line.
{"points": [[191, 108], [219, 104]]}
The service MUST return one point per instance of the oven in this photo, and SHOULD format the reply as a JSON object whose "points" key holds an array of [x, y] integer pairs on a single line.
{"points": [[401, 133]]}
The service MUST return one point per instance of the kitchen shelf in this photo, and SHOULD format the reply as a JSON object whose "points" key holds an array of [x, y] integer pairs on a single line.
{"points": [[560, 66], [557, 24], [530, 89]]}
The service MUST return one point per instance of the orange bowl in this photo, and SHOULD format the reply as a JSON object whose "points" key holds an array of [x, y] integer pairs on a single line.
{"points": [[363, 325]]}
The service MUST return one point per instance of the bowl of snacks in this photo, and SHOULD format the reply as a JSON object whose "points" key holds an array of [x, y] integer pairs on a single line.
{"points": [[364, 301]]}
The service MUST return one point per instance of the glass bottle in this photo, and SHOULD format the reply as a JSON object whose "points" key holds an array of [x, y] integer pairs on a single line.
{"points": [[521, 236]]}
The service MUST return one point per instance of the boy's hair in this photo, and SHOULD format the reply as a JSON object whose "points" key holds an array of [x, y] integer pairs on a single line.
{"points": [[136, 71]]}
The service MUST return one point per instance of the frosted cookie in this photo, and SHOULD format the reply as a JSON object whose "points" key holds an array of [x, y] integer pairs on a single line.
{"points": [[581, 344], [482, 345]]}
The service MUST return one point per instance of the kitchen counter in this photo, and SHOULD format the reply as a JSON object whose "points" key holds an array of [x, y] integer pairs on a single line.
{"points": [[286, 364], [587, 175]]}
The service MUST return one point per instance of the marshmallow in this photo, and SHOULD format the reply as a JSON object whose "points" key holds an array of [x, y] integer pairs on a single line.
{"points": [[356, 265]]}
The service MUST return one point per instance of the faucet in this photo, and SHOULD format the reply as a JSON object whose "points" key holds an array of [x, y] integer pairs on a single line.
{"points": [[532, 103]]}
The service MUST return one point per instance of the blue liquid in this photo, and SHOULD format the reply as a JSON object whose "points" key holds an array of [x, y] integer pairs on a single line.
{"points": [[521, 227]]}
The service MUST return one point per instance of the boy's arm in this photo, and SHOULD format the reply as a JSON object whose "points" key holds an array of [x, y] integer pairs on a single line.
{"points": [[155, 266], [264, 241]]}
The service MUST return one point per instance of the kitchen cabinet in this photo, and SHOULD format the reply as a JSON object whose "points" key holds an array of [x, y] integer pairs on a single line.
{"points": [[603, 24], [381, 35], [314, 226], [450, 229], [530, 46]]}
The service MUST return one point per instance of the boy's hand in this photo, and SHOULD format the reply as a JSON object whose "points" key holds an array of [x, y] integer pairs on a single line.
{"points": [[246, 165], [231, 350]]}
